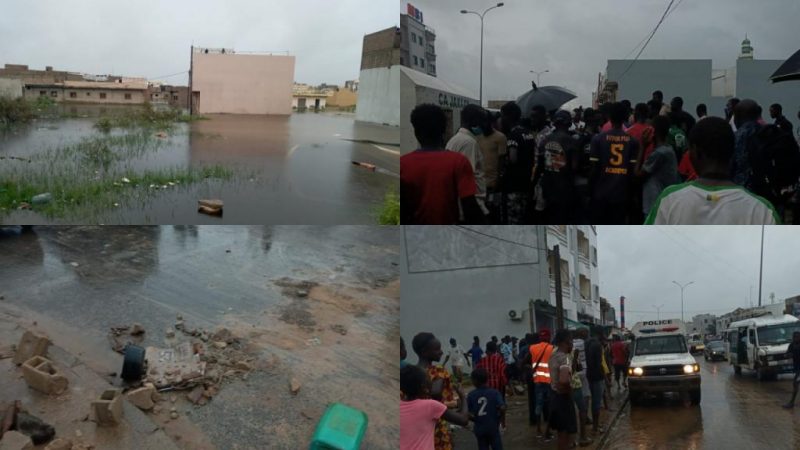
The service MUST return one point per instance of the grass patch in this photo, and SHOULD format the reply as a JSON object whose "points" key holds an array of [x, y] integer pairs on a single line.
{"points": [[389, 213], [146, 117]]}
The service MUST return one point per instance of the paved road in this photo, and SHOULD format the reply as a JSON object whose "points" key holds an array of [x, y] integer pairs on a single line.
{"points": [[77, 282], [736, 412]]}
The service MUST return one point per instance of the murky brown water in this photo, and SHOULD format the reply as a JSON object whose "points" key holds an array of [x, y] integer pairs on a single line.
{"points": [[295, 169]]}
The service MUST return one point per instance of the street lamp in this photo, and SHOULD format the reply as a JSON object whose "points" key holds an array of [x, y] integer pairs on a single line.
{"points": [[658, 311], [481, 15], [682, 288], [539, 74]]}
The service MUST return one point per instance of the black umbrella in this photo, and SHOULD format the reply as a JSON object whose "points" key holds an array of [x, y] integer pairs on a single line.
{"points": [[789, 70], [551, 97]]}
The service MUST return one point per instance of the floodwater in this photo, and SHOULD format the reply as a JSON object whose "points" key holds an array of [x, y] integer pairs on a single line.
{"points": [[295, 169], [735, 412], [77, 282]]}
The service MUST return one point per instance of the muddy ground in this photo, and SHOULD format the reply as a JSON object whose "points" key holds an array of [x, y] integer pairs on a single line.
{"points": [[319, 305]]}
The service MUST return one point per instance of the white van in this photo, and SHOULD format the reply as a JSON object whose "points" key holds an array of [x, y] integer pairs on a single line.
{"points": [[661, 362], [760, 344]]}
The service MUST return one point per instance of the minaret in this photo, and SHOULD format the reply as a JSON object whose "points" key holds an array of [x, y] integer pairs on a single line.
{"points": [[747, 49]]}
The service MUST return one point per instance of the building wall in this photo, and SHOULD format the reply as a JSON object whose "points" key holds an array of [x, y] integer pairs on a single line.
{"points": [[414, 95], [310, 102], [460, 284], [752, 81], [686, 78], [22, 72], [379, 96], [10, 88], [83, 95], [243, 84], [577, 266], [381, 49], [343, 98]]}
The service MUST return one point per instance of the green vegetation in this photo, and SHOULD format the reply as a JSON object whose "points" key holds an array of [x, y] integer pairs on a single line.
{"points": [[389, 213], [15, 110], [146, 117]]}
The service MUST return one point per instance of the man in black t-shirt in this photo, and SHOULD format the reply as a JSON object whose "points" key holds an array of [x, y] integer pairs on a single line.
{"points": [[558, 162], [517, 168], [613, 156], [794, 351]]}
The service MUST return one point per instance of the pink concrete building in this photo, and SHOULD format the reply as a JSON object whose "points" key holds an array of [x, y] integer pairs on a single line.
{"points": [[223, 81]]}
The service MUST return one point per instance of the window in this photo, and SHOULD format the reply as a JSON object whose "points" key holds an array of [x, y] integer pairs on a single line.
{"points": [[422, 62], [53, 93], [73, 95], [127, 96], [420, 42], [416, 62], [594, 256], [102, 95], [414, 37], [42, 93], [174, 97], [88, 94]]}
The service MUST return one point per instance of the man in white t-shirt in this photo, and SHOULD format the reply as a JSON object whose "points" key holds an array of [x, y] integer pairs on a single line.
{"points": [[455, 354], [712, 199], [465, 141]]}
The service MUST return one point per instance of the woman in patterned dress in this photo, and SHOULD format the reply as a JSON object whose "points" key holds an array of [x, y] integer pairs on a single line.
{"points": [[429, 351]]}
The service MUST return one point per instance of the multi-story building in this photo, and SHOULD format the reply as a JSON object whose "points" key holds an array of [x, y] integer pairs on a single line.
{"points": [[580, 289], [379, 81], [704, 324], [134, 92], [417, 47], [174, 96], [775, 309], [224, 81]]}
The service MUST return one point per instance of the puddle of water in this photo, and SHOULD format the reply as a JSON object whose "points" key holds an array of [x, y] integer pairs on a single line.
{"points": [[295, 169]]}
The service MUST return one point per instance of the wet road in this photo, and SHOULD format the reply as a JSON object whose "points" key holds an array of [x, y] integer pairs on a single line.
{"points": [[294, 169], [78, 282], [736, 412]]}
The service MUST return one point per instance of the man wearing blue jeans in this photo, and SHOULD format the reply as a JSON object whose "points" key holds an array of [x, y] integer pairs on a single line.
{"points": [[596, 377]]}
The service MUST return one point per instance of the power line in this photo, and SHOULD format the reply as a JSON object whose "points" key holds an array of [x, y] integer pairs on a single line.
{"points": [[170, 75], [498, 238], [664, 16], [687, 237], [645, 38]]}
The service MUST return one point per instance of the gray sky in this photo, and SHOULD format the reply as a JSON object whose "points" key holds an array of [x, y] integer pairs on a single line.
{"points": [[574, 39], [151, 38], [641, 263]]}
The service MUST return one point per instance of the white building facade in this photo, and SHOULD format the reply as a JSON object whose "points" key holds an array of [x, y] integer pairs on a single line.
{"points": [[580, 285]]}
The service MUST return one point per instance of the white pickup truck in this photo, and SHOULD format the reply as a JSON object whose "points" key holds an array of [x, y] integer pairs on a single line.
{"points": [[661, 362]]}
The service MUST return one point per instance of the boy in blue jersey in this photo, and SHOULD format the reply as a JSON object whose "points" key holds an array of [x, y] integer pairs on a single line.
{"points": [[488, 410]]}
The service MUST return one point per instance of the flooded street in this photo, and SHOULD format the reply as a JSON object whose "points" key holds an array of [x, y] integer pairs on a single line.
{"points": [[736, 412], [295, 169], [76, 283]]}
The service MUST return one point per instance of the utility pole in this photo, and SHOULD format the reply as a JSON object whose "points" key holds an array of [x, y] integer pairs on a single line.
{"points": [[530, 314], [191, 69], [682, 286], [559, 302], [622, 312], [761, 266]]}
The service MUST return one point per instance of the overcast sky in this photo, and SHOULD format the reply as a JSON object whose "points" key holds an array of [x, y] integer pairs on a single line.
{"points": [[641, 263], [151, 38], [575, 38]]}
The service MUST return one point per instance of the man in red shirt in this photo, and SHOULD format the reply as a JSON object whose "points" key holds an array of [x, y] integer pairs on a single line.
{"points": [[434, 182], [495, 366], [619, 358]]}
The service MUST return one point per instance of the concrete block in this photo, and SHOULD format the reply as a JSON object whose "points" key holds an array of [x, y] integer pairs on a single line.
{"points": [[142, 398], [41, 375], [14, 440], [31, 344], [108, 408]]}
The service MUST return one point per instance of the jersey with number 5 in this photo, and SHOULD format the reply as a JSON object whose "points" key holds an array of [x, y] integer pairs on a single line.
{"points": [[613, 155]]}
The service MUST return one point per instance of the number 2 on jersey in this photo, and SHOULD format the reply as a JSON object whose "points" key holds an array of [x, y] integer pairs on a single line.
{"points": [[482, 401]]}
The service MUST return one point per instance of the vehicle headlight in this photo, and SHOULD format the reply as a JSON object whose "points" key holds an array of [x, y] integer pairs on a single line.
{"points": [[635, 371], [691, 368]]}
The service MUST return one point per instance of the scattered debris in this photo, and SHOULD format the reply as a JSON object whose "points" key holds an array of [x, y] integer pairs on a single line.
{"points": [[125, 180], [173, 366], [14, 440], [170, 334], [302, 293], [41, 375], [173, 414], [35, 428], [9, 417], [161, 135], [74, 264], [24, 205], [210, 207], [31, 344], [133, 363], [41, 199], [142, 398], [339, 329], [107, 409], [294, 385], [196, 395], [367, 166], [313, 342]]}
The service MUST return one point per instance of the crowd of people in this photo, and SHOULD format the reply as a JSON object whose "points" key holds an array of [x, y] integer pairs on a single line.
{"points": [[565, 376], [652, 163]]}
